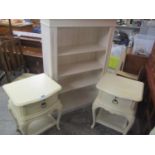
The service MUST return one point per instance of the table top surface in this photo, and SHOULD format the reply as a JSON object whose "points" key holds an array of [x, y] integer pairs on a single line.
{"points": [[15, 24], [121, 87], [32, 89], [27, 34]]}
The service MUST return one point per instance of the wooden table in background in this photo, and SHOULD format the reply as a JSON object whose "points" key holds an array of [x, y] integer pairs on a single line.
{"points": [[4, 28], [33, 58], [32, 50]]}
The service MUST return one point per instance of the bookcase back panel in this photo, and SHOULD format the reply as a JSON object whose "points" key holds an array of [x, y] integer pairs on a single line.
{"points": [[80, 80], [76, 36], [77, 58]]}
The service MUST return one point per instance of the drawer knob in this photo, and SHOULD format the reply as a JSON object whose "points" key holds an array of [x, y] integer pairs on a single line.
{"points": [[43, 105], [115, 101]]}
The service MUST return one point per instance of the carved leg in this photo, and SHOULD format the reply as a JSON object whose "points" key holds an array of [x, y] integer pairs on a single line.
{"points": [[17, 126], [24, 127], [58, 119], [59, 113], [94, 117]]}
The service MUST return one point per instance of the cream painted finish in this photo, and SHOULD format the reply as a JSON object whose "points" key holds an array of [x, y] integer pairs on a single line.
{"points": [[117, 102], [38, 122], [32, 101], [127, 75], [121, 87], [73, 50], [152, 131], [32, 89]]}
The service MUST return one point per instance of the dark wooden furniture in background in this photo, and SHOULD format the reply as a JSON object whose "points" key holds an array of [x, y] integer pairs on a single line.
{"points": [[4, 28], [133, 66], [31, 44], [3, 65], [133, 63], [150, 90], [12, 57], [32, 51]]}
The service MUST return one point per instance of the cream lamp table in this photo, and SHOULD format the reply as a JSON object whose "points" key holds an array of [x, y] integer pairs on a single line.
{"points": [[116, 102], [32, 102]]}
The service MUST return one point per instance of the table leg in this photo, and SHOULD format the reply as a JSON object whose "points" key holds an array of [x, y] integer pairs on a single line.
{"points": [[130, 123], [58, 119], [24, 128], [94, 116], [59, 111]]}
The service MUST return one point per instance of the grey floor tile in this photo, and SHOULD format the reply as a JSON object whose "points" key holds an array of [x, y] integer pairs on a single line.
{"points": [[8, 128], [5, 114]]}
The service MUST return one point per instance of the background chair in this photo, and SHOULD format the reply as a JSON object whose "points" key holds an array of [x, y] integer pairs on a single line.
{"points": [[132, 66], [3, 66], [14, 63]]}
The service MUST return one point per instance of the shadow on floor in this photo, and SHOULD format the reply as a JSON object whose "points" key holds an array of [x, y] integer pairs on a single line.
{"points": [[78, 123]]}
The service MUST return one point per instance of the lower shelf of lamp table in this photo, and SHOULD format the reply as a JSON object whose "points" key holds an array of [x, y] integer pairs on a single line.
{"points": [[40, 125], [113, 121]]}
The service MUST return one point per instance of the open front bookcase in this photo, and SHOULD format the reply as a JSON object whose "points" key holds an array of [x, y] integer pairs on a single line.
{"points": [[75, 54]]}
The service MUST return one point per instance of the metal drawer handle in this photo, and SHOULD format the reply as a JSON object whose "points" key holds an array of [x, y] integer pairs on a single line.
{"points": [[115, 101], [43, 105]]}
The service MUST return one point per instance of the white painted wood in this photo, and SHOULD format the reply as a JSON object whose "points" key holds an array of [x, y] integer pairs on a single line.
{"points": [[27, 34], [32, 89], [116, 122], [108, 48], [116, 100], [38, 122], [78, 98], [71, 69], [65, 51], [79, 36], [32, 101], [80, 81], [79, 22], [77, 49], [114, 115], [76, 59], [127, 75], [49, 48], [120, 106], [123, 88], [152, 131]]}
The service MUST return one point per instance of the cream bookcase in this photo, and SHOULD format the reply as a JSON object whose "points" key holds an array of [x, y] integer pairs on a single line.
{"points": [[75, 54]]}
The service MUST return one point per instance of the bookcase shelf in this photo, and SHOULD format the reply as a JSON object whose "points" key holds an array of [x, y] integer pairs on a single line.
{"points": [[80, 81], [75, 54], [66, 51], [81, 67]]}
